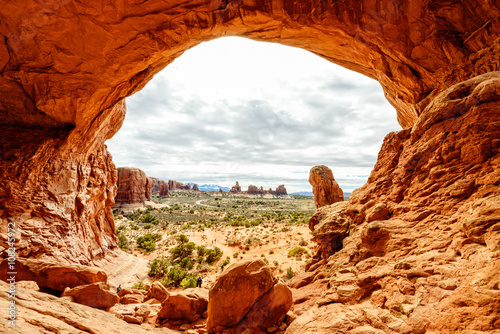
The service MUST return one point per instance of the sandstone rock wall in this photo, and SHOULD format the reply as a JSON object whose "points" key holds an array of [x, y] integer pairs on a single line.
{"points": [[66, 67], [133, 186], [421, 240]]}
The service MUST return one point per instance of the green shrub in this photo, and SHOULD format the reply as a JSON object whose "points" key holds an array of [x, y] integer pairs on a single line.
{"points": [[297, 251], [235, 255], [182, 239], [158, 267], [148, 242], [149, 219], [139, 285], [186, 263], [289, 273], [182, 251], [175, 276], [271, 251], [188, 282], [201, 250], [122, 242], [226, 261], [303, 243], [213, 254]]}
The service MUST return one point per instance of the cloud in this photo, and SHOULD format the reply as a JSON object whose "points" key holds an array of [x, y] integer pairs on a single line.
{"points": [[262, 118]]}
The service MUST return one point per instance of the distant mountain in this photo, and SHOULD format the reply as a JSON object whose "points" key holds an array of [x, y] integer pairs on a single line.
{"points": [[212, 187], [303, 193]]}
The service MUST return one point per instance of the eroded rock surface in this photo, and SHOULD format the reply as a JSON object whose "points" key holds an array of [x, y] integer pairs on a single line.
{"points": [[325, 189], [245, 296], [188, 305], [53, 275], [43, 313], [421, 253], [133, 186]]}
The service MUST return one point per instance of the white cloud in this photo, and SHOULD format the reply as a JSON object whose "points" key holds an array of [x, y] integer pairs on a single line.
{"points": [[238, 110]]}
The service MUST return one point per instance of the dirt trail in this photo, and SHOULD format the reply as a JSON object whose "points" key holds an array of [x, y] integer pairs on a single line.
{"points": [[125, 269]]}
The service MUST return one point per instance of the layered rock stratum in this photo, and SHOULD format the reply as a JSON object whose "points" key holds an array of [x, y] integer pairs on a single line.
{"points": [[421, 249]]}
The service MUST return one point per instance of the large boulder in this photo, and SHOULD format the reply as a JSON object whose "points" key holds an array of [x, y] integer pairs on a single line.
{"points": [[53, 275], [247, 296], [133, 186], [326, 190], [188, 305], [158, 292], [94, 295], [236, 291], [270, 309]]}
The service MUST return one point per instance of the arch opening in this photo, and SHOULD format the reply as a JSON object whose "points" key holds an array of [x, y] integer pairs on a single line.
{"points": [[258, 113]]}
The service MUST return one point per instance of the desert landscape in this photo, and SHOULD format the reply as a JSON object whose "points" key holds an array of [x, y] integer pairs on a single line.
{"points": [[416, 249]]}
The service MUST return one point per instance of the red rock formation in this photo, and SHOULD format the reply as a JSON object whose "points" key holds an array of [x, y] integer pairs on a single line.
{"points": [[424, 229], [195, 188], [56, 113], [41, 312], [67, 66], [171, 184], [325, 189], [281, 190], [94, 295], [188, 305], [163, 190], [253, 190], [55, 276], [133, 186], [158, 291], [247, 296], [235, 189], [155, 185]]}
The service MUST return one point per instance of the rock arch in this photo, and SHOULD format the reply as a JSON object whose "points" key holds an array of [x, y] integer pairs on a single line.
{"points": [[67, 66]]}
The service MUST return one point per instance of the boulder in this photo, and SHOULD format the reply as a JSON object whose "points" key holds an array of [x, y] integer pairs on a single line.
{"points": [[132, 298], [158, 292], [53, 275], [133, 186], [326, 190], [188, 305], [95, 295], [236, 290], [270, 309]]}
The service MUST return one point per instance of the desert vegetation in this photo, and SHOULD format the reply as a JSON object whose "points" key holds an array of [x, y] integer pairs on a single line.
{"points": [[191, 234]]}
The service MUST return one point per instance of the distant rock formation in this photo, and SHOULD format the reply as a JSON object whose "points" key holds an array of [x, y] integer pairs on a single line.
{"points": [[173, 185], [254, 190], [326, 190], [163, 191], [195, 187], [235, 189], [133, 186], [159, 187]]}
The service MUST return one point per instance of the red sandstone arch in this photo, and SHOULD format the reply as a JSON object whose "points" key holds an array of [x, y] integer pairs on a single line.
{"points": [[66, 67]]}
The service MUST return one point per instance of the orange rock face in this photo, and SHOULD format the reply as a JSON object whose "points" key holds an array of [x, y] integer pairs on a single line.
{"points": [[423, 232], [67, 67], [187, 305], [94, 295], [133, 186], [325, 189], [247, 296], [421, 254], [53, 275]]}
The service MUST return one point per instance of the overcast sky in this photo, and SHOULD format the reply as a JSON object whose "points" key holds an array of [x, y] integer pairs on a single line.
{"points": [[258, 113]]}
